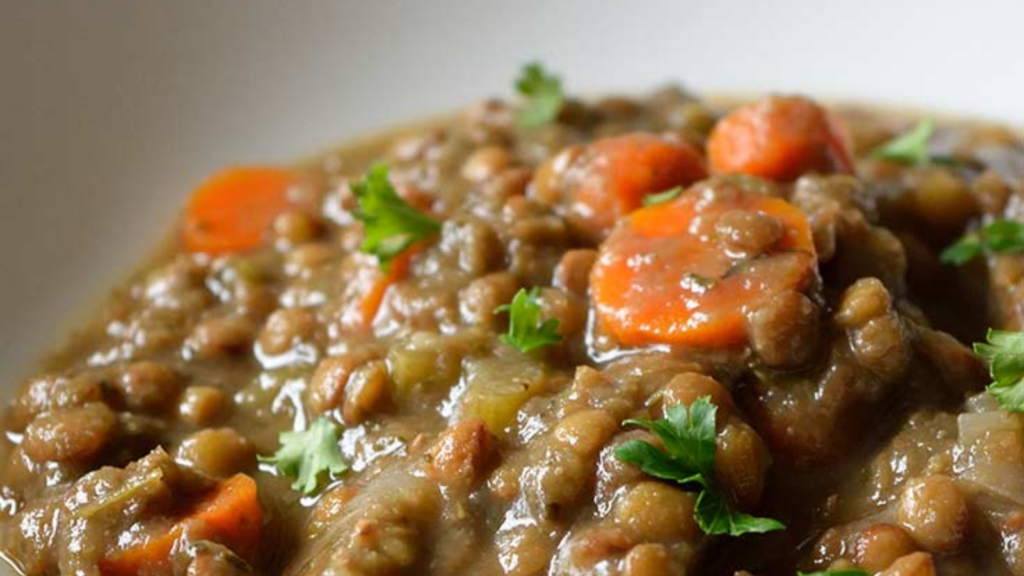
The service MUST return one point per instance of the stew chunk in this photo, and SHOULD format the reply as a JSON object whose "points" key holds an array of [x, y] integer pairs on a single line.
{"points": [[687, 271], [780, 137], [610, 178]]}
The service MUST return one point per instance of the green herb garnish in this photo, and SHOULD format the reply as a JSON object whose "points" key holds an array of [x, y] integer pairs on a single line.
{"points": [[688, 459], [306, 454], [843, 572], [543, 93], [1004, 353], [998, 237], [911, 147], [391, 224], [526, 331], [662, 197]]}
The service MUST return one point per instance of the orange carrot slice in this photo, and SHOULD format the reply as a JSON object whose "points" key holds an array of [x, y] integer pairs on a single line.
{"points": [[230, 515], [233, 210], [780, 137], [365, 292], [665, 277], [612, 177]]}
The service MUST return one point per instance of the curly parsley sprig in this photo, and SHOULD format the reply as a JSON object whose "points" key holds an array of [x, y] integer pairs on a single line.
{"points": [[391, 224], [1004, 352], [306, 455], [912, 147], [526, 330], [543, 96], [843, 572], [688, 459], [998, 237]]}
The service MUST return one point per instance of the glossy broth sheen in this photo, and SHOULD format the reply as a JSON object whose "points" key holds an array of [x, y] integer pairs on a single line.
{"points": [[850, 407]]}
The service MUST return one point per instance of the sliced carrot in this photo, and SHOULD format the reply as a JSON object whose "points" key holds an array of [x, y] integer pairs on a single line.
{"points": [[665, 277], [780, 137], [233, 210], [612, 176], [230, 515], [367, 287]]}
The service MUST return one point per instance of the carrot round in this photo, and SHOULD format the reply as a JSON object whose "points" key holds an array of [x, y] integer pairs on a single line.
{"points": [[612, 176], [230, 515], [779, 137], [233, 210], [665, 275]]}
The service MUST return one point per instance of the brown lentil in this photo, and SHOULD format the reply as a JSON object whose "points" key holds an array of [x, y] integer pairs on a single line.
{"points": [[935, 513], [216, 452], [652, 511], [69, 434], [201, 405], [285, 328], [880, 545], [148, 387], [366, 391]]}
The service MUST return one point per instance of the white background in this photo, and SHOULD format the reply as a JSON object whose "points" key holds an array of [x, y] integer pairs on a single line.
{"points": [[111, 110]]}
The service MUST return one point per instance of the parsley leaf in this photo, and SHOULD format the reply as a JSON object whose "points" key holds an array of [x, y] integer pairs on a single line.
{"points": [[662, 197], [999, 236], [715, 515], [655, 462], [843, 572], [525, 329], [688, 435], [544, 97], [306, 454], [911, 147], [688, 459], [1004, 353], [391, 224], [967, 248]]}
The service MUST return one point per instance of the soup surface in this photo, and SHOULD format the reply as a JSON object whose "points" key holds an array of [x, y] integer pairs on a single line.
{"points": [[630, 336]]}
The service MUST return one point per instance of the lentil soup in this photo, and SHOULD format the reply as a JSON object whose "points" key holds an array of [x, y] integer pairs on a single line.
{"points": [[629, 336]]}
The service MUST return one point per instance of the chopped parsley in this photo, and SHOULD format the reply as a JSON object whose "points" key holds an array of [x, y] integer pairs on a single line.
{"points": [[688, 459], [1004, 353], [526, 331], [306, 454], [997, 237], [543, 93], [911, 147], [662, 197], [391, 224], [842, 572]]}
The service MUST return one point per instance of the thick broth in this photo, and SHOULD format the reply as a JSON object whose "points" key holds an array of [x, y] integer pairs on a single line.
{"points": [[846, 413]]}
